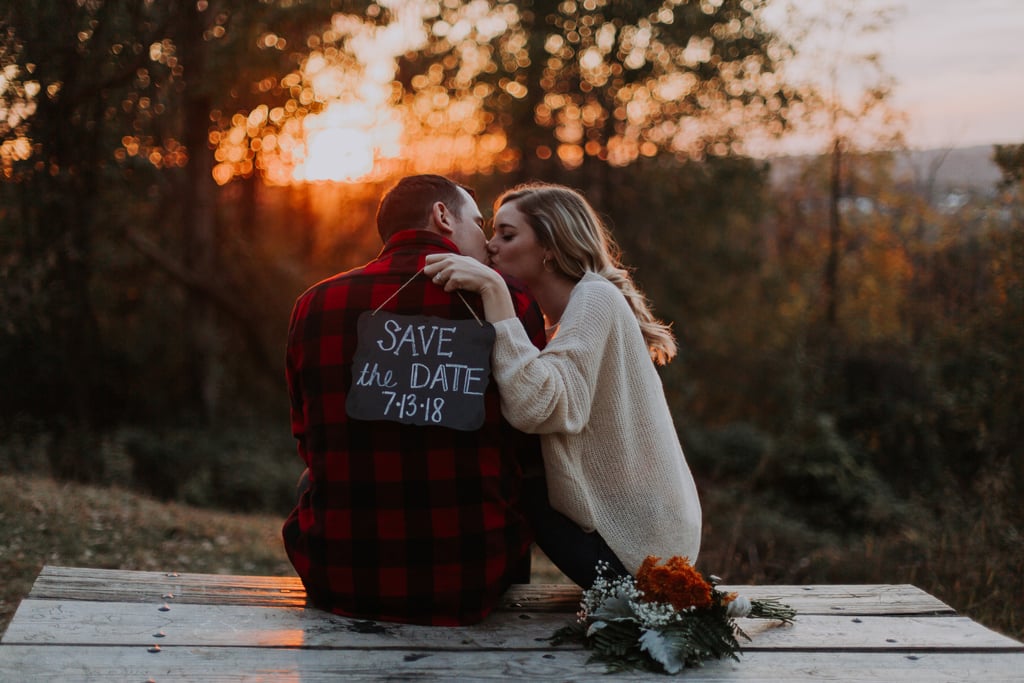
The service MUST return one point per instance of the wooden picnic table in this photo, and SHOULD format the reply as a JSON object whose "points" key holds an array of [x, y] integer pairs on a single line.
{"points": [[113, 625]]}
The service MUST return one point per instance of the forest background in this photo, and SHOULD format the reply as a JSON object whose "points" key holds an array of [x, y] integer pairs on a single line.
{"points": [[174, 175]]}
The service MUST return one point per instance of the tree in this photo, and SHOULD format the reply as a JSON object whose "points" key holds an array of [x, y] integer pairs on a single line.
{"points": [[614, 82], [69, 64], [525, 88], [1010, 159], [113, 101], [697, 252], [851, 112]]}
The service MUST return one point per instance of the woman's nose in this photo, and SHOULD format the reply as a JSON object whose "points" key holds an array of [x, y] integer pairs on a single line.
{"points": [[491, 245]]}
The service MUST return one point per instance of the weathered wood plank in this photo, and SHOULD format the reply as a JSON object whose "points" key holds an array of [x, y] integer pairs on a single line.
{"points": [[229, 664], [854, 600], [105, 623], [110, 585], [75, 583], [875, 634]]}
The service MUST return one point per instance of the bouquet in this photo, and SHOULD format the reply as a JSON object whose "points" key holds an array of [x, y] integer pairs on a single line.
{"points": [[669, 617]]}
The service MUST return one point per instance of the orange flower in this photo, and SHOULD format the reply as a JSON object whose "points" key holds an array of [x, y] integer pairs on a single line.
{"points": [[676, 582]]}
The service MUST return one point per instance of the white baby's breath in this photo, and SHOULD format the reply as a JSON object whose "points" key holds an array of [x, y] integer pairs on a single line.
{"points": [[607, 587], [654, 615]]}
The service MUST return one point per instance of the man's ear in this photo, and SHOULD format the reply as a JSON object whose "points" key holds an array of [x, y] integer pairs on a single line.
{"points": [[441, 218]]}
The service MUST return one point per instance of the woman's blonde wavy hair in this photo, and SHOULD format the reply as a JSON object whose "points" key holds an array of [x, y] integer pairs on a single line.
{"points": [[565, 222]]}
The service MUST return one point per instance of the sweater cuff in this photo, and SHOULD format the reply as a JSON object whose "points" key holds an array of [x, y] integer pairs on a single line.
{"points": [[511, 343]]}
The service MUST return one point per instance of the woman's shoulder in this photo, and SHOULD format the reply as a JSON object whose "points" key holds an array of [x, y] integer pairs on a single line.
{"points": [[594, 284], [597, 303], [596, 288]]}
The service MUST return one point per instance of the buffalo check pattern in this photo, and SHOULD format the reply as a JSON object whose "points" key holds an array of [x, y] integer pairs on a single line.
{"points": [[415, 524]]}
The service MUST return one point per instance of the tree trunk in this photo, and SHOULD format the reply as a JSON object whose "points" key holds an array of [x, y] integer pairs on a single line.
{"points": [[60, 202], [200, 238], [834, 230], [830, 352]]}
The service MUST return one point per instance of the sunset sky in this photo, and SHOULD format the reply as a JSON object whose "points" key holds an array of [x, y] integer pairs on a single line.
{"points": [[959, 67]]}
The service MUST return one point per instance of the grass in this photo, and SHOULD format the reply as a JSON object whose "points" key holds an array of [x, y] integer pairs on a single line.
{"points": [[969, 557]]}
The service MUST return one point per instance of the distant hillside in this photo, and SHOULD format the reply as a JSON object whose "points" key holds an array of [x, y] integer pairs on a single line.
{"points": [[964, 168]]}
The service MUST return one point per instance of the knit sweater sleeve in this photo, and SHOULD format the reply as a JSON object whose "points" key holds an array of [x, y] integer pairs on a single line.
{"points": [[552, 391]]}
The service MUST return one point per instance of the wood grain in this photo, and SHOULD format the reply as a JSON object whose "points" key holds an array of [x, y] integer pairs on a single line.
{"points": [[229, 665], [67, 583]]}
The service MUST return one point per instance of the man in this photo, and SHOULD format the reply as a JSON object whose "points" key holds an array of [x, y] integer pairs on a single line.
{"points": [[402, 522]]}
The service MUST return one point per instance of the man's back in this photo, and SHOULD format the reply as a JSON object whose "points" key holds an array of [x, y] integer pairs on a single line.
{"points": [[400, 522]]}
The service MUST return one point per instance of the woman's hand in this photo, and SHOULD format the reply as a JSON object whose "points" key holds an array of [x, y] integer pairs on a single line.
{"points": [[452, 272]]}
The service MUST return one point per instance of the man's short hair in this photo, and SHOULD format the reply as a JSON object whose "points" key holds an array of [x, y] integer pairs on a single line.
{"points": [[407, 205]]}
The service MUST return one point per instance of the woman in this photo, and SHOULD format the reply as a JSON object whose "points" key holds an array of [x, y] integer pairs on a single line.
{"points": [[616, 474]]}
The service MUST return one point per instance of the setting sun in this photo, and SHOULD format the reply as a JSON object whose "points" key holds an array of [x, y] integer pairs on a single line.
{"points": [[344, 142], [349, 119], [336, 154]]}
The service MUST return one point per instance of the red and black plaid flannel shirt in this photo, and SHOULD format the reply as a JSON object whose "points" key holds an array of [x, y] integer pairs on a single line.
{"points": [[406, 523]]}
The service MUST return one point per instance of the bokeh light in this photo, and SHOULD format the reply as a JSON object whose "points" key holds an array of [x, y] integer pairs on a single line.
{"points": [[349, 119]]}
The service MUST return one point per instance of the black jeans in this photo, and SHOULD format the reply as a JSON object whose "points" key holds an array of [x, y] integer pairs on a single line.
{"points": [[574, 551]]}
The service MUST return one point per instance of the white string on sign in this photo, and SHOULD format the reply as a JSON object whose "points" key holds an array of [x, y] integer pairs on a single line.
{"points": [[406, 283]]}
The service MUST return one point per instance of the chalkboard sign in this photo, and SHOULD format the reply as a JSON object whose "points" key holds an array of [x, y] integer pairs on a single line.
{"points": [[421, 370]]}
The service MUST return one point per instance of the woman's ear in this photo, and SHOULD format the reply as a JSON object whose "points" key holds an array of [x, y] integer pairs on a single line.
{"points": [[440, 218], [548, 261]]}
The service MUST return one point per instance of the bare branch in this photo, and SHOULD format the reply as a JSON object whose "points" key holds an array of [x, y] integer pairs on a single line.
{"points": [[212, 291]]}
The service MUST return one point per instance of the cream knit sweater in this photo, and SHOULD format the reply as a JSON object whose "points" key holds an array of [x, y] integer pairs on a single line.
{"points": [[611, 452]]}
